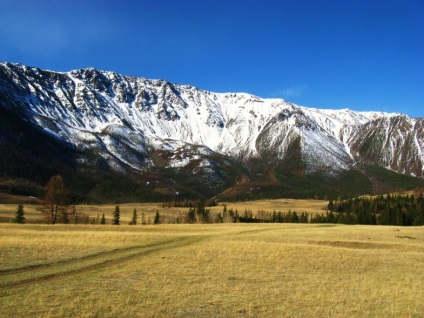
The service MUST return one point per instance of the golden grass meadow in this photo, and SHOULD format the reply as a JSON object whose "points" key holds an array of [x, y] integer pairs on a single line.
{"points": [[211, 270], [32, 211]]}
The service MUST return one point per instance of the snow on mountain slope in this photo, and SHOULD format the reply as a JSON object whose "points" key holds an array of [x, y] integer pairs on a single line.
{"points": [[393, 142], [125, 118]]}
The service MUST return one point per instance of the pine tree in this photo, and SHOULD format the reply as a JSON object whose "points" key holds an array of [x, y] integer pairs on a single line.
{"points": [[202, 212], [331, 218], [330, 205], [218, 218], [303, 217], [134, 218], [103, 219], [191, 215], [20, 214], [295, 218], [116, 216], [225, 214], [157, 218], [236, 217], [280, 218]]}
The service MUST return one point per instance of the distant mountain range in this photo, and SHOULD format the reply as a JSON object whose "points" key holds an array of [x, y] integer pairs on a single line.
{"points": [[126, 138]]}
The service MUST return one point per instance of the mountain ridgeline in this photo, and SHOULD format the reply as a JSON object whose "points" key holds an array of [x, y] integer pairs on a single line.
{"points": [[122, 138]]}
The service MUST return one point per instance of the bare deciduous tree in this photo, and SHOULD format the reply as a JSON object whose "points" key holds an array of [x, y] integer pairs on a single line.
{"points": [[54, 207]]}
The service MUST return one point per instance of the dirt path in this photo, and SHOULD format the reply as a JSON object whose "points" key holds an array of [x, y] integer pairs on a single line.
{"points": [[40, 273]]}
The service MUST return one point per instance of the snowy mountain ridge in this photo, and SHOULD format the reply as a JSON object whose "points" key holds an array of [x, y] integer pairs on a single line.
{"points": [[124, 119]]}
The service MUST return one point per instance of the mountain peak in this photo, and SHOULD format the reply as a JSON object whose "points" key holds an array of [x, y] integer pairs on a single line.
{"points": [[107, 112]]}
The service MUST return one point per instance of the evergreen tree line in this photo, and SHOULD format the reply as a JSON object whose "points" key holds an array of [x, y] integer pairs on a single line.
{"points": [[200, 214], [116, 218], [21, 187], [382, 210]]}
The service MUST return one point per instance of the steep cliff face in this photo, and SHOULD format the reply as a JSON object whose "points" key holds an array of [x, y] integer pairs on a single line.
{"points": [[395, 143], [141, 124]]}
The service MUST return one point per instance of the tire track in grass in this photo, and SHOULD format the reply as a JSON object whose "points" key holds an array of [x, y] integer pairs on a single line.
{"points": [[5, 272], [33, 275]]}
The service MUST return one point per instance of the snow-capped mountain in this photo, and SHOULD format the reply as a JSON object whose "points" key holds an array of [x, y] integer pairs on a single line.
{"points": [[139, 124]]}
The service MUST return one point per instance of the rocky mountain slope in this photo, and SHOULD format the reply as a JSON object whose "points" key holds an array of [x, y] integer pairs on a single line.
{"points": [[145, 127]]}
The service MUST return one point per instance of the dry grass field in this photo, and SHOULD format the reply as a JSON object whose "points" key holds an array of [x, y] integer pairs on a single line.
{"points": [[33, 214], [215, 270]]}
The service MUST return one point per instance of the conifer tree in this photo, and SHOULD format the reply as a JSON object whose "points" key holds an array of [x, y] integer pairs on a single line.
{"points": [[219, 218], [331, 218], [202, 213], [116, 216], [191, 215], [303, 217], [280, 217], [157, 218], [20, 214], [103, 219], [134, 218]]}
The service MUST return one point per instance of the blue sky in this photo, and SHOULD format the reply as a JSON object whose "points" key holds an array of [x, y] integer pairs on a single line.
{"points": [[357, 54]]}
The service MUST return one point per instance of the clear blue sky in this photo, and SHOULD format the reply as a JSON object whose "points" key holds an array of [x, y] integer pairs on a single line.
{"points": [[357, 54]]}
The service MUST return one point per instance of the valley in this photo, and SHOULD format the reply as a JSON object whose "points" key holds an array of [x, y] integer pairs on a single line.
{"points": [[215, 159], [221, 270], [221, 162]]}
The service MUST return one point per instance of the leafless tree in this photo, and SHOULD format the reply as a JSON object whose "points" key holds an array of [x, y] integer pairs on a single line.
{"points": [[54, 208]]}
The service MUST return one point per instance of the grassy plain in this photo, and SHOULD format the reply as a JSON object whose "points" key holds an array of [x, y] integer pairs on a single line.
{"points": [[215, 270], [33, 214]]}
